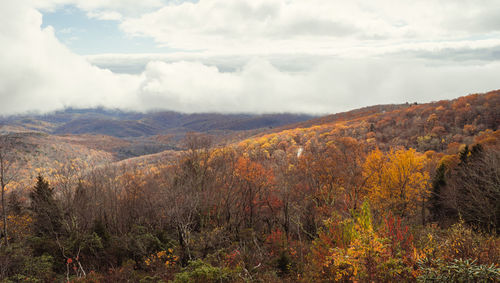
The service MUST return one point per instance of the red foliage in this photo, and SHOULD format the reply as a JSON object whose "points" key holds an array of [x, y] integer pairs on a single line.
{"points": [[399, 235]]}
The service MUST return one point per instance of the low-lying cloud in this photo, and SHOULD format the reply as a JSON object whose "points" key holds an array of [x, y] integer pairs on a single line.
{"points": [[332, 86], [39, 73]]}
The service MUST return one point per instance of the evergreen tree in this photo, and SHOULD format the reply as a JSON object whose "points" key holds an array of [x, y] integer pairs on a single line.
{"points": [[15, 206], [435, 201], [463, 154], [46, 213]]}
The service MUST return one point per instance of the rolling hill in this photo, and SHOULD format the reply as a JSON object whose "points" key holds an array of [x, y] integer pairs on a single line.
{"points": [[288, 190], [101, 136], [126, 124]]}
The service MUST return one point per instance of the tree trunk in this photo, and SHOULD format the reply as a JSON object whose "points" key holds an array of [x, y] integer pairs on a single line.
{"points": [[423, 211], [4, 211]]}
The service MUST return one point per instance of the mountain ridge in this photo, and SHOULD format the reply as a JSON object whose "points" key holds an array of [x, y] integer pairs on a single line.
{"points": [[124, 124]]}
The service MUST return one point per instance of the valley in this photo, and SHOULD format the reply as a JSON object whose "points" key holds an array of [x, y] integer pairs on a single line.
{"points": [[133, 195]]}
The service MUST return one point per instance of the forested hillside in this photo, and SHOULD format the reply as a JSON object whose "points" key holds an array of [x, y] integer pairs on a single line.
{"points": [[123, 124], [126, 134], [380, 194]]}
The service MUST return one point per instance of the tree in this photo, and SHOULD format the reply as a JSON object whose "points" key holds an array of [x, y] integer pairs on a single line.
{"points": [[253, 178], [46, 213], [350, 160], [15, 205], [436, 199], [8, 173], [396, 181], [188, 196], [474, 187]]}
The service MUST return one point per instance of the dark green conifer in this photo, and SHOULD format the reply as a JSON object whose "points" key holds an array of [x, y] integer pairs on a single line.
{"points": [[46, 213]]}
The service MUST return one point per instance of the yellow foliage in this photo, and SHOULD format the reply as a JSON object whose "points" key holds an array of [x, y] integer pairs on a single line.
{"points": [[161, 259], [396, 181], [19, 225], [350, 251]]}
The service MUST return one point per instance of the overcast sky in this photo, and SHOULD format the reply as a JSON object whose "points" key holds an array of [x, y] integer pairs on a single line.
{"points": [[309, 56]]}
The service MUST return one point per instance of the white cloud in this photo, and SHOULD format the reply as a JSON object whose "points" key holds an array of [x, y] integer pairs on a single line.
{"points": [[105, 15], [296, 56], [330, 87], [313, 26], [37, 72], [444, 52]]}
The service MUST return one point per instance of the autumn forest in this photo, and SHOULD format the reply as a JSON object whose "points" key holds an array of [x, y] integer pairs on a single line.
{"points": [[387, 193]]}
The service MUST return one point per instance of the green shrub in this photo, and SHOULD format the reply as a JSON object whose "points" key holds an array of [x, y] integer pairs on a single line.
{"points": [[457, 271], [151, 279], [141, 243], [35, 269], [200, 271]]}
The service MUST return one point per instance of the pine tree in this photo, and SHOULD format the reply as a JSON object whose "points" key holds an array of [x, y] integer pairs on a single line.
{"points": [[46, 213], [435, 201], [15, 206]]}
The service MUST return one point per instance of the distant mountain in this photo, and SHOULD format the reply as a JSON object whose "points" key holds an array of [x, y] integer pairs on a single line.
{"points": [[126, 124], [126, 134], [110, 127]]}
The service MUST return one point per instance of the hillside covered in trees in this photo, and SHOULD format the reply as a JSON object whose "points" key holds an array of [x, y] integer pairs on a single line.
{"points": [[379, 194]]}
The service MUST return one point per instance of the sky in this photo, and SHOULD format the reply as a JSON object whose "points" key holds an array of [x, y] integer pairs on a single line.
{"points": [[244, 56]]}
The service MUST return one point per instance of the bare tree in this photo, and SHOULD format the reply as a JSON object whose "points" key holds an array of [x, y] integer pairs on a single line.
{"points": [[8, 173], [187, 194], [475, 189]]}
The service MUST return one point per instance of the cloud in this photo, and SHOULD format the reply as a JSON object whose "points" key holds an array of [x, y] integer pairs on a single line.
{"points": [[136, 63], [37, 72], [329, 67], [442, 53], [105, 15], [333, 86], [128, 7], [313, 26], [240, 25]]}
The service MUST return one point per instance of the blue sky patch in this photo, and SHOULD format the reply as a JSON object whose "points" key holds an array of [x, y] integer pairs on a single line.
{"points": [[86, 36]]}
